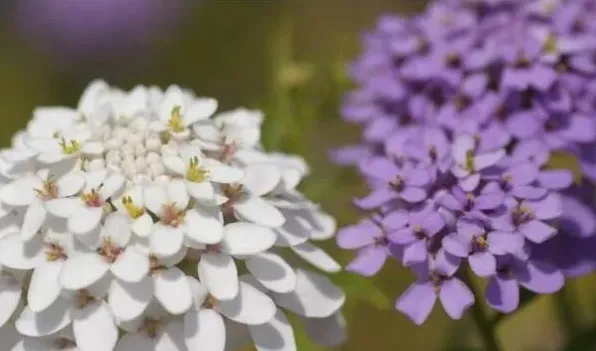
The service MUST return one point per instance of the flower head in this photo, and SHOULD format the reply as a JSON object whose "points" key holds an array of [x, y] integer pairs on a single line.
{"points": [[461, 108], [128, 216]]}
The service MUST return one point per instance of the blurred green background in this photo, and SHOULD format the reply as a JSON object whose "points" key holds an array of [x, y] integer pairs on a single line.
{"points": [[286, 57]]}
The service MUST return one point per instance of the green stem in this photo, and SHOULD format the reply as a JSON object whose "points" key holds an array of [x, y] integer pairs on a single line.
{"points": [[564, 300], [481, 318]]}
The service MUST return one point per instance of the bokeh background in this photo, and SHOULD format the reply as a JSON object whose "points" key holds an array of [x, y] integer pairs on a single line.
{"points": [[285, 57]]}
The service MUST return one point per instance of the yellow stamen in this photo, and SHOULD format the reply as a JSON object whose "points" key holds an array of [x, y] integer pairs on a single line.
{"points": [[151, 327], [550, 45], [92, 199], [195, 172], [83, 298], [49, 190], [175, 122], [71, 147], [469, 161], [133, 210], [172, 216]]}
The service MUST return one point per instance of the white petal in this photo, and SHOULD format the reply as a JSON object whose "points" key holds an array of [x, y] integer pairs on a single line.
{"points": [[203, 227], [20, 192], [272, 272], [112, 185], [220, 173], [131, 266], [315, 296], [143, 225], [250, 306], [255, 209], [202, 192], [34, 218], [247, 238], [51, 320], [175, 164], [325, 226], [261, 179], [178, 194], [317, 257], [173, 291], [94, 327], [117, 227], [129, 300], [135, 342], [204, 330], [17, 254], [166, 241], [94, 179], [63, 207], [201, 108], [171, 338], [70, 184], [173, 97], [82, 270], [44, 288], [155, 199], [275, 335], [10, 296], [52, 157], [295, 231], [219, 274], [84, 219]]}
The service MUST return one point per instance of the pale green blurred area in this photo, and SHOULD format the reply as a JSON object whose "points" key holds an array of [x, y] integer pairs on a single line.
{"points": [[256, 54]]}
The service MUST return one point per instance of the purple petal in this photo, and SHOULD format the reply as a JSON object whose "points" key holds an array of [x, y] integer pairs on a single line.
{"points": [[548, 208], [379, 129], [451, 202], [483, 264], [542, 77], [489, 201], [488, 159], [540, 277], [402, 236], [457, 245], [381, 168], [375, 199], [395, 220], [501, 243], [368, 261], [521, 174], [470, 227], [581, 129], [524, 124], [455, 297], [412, 194], [475, 85], [446, 263], [433, 224], [578, 219], [502, 294], [556, 179], [528, 192], [537, 231], [416, 252], [516, 79], [357, 236], [461, 146], [469, 183], [417, 302], [418, 177]]}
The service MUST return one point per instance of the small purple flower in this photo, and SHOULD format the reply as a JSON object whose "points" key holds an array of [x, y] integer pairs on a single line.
{"points": [[369, 239], [528, 218], [475, 203], [472, 241], [406, 184], [519, 181], [419, 299], [469, 163], [502, 292], [422, 225]]}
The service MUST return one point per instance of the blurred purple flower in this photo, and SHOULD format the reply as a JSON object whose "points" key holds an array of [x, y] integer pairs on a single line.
{"points": [[461, 108], [94, 30]]}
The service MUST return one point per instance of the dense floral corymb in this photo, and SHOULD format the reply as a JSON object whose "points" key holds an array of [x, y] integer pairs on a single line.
{"points": [[142, 221], [462, 107]]}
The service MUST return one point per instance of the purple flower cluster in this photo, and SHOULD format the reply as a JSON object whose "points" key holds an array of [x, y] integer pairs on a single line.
{"points": [[462, 107]]}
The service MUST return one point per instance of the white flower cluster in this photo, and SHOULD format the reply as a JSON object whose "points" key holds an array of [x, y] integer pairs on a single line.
{"points": [[140, 221]]}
